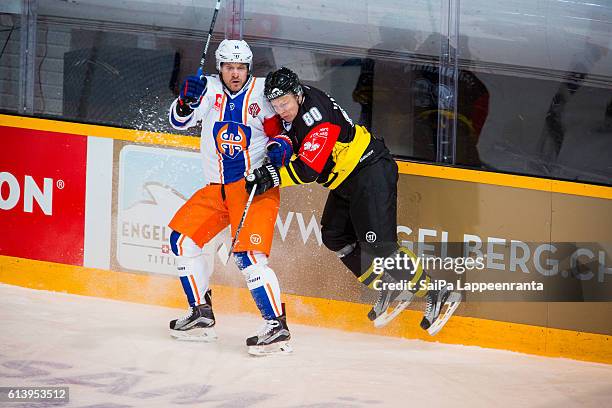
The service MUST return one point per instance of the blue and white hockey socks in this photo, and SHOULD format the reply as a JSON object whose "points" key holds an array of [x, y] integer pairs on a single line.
{"points": [[194, 267], [262, 282]]}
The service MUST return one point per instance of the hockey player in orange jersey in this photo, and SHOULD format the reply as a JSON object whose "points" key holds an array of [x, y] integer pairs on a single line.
{"points": [[235, 118]]}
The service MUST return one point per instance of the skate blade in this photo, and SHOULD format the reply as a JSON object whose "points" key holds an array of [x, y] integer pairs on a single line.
{"points": [[201, 334], [385, 318], [282, 347], [453, 301]]}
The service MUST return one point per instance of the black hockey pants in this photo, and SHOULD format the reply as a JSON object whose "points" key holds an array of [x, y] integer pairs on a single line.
{"points": [[362, 212]]}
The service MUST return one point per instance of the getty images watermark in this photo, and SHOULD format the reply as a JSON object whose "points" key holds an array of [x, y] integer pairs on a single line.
{"points": [[458, 265]]}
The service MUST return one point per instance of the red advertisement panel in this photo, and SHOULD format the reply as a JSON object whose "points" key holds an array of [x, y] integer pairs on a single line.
{"points": [[42, 195]]}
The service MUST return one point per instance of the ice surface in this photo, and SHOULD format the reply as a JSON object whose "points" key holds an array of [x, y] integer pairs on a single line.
{"points": [[117, 354]]}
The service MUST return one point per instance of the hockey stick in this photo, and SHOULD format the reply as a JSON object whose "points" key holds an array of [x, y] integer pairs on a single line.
{"points": [[210, 31], [244, 214]]}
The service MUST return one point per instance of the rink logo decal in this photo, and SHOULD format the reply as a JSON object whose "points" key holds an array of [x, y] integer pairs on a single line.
{"points": [[128, 385], [42, 194], [254, 109], [153, 184]]}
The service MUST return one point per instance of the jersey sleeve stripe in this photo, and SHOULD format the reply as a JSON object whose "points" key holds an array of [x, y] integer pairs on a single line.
{"points": [[220, 162], [293, 175], [222, 109], [179, 122], [247, 156], [245, 109], [245, 106]]}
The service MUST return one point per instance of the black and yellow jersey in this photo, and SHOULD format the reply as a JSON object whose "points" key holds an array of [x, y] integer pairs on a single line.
{"points": [[327, 146]]}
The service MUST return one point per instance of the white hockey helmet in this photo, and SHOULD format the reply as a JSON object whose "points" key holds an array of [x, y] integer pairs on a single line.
{"points": [[234, 51]]}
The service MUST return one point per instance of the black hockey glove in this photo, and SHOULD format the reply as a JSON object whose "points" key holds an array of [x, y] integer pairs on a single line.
{"points": [[266, 177]]}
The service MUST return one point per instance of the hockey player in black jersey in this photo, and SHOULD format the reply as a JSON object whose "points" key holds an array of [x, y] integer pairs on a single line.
{"points": [[359, 222]]}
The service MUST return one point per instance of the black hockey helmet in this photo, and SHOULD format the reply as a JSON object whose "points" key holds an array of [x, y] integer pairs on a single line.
{"points": [[281, 82]]}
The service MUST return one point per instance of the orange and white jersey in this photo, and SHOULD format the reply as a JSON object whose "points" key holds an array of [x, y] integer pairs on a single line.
{"points": [[233, 140]]}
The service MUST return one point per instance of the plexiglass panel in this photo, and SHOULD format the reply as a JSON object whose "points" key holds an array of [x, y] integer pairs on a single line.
{"points": [[540, 85], [10, 53], [365, 54], [533, 89]]}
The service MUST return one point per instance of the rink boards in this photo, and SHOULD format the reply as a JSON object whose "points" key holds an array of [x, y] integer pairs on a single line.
{"points": [[85, 210]]}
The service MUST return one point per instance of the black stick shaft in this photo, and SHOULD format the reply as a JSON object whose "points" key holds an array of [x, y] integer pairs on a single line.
{"points": [[244, 214], [210, 32]]}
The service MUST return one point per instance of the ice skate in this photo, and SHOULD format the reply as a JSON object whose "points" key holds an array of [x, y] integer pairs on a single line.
{"points": [[198, 325], [379, 313], [433, 319], [272, 338]]}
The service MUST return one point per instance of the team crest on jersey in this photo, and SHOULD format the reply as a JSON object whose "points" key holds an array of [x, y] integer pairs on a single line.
{"points": [[311, 147], [254, 109], [218, 102], [231, 138], [318, 145]]}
